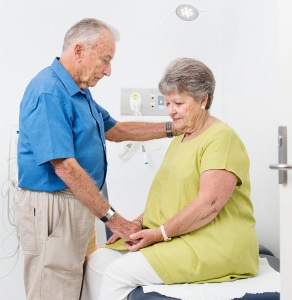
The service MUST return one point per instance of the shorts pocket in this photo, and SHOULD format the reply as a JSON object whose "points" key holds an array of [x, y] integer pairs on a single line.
{"points": [[25, 223]]}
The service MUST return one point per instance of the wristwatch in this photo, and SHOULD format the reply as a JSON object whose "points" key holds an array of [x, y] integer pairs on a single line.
{"points": [[169, 133], [108, 215]]}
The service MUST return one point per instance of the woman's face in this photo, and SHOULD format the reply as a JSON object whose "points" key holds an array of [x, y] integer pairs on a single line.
{"points": [[184, 111]]}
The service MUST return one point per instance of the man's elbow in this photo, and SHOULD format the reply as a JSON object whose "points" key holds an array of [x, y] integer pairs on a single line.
{"points": [[115, 134]]}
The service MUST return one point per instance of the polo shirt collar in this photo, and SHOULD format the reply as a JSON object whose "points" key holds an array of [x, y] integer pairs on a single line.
{"points": [[66, 78]]}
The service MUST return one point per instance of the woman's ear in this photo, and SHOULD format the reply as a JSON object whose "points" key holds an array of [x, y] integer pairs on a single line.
{"points": [[204, 100]]}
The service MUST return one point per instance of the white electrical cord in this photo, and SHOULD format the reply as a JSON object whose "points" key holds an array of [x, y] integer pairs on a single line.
{"points": [[145, 157], [126, 151], [8, 192], [135, 103]]}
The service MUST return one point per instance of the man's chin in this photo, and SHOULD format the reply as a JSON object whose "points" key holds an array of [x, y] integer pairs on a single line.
{"points": [[86, 85], [93, 82]]}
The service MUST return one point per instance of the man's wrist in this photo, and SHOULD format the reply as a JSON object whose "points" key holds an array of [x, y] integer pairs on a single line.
{"points": [[108, 215]]}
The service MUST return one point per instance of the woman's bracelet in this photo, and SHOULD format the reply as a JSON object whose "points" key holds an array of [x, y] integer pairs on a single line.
{"points": [[165, 237], [139, 220]]}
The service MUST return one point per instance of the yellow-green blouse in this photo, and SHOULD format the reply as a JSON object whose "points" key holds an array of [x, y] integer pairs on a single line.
{"points": [[223, 250]]}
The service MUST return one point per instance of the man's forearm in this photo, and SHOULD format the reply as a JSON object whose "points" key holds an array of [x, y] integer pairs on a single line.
{"points": [[139, 131], [81, 185]]}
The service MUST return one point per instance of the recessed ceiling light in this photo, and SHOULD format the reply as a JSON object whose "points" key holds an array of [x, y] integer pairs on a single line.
{"points": [[187, 12]]}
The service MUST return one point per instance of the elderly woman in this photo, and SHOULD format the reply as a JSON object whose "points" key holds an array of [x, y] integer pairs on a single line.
{"points": [[198, 223]]}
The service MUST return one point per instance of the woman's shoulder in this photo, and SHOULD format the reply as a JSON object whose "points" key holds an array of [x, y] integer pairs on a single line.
{"points": [[221, 131], [217, 125]]}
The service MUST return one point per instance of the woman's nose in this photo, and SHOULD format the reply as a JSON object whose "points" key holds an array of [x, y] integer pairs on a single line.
{"points": [[170, 109]]}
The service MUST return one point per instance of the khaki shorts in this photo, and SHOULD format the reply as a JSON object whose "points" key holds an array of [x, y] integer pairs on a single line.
{"points": [[54, 231]]}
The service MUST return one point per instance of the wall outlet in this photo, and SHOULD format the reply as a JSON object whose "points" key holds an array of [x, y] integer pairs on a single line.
{"points": [[152, 102]]}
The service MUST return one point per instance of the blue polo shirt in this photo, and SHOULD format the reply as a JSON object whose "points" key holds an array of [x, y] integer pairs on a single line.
{"points": [[59, 120]]}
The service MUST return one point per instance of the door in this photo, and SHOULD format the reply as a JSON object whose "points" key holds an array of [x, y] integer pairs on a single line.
{"points": [[286, 232], [284, 103], [285, 197]]}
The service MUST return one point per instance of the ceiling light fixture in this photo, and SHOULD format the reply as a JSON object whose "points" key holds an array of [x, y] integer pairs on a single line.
{"points": [[187, 12]]}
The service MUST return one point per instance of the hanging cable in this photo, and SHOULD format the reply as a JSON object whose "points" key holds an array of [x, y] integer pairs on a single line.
{"points": [[8, 193]]}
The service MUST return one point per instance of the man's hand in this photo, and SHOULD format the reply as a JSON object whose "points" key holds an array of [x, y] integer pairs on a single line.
{"points": [[122, 228]]}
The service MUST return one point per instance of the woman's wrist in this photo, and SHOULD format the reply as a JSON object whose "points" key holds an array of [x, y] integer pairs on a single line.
{"points": [[140, 220], [165, 237]]}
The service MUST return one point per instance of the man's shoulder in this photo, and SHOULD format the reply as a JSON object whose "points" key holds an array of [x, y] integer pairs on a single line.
{"points": [[44, 81]]}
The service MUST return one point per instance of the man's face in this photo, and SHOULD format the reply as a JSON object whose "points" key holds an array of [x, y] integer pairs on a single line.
{"points": [[95, 62]]}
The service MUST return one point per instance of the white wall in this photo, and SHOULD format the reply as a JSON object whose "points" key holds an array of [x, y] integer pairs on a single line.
{"points": [[236, 38]]}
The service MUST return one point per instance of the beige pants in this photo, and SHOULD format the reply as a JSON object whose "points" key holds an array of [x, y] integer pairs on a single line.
{"points": [[54, 230]]}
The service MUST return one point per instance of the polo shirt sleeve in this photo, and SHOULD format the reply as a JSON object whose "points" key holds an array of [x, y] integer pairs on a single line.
{"points": [[108, 120], [48, 128]]}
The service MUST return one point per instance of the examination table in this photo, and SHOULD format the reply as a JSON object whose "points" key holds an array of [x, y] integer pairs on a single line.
{"points": [[138, 293]]}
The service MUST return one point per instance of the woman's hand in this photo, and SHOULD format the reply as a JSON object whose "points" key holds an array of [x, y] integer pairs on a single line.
{"points": [[113, 238], [144, 238]]}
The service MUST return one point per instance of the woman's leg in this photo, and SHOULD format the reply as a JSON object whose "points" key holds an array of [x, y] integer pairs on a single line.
{"points": [[96, 264], [112, 274]]}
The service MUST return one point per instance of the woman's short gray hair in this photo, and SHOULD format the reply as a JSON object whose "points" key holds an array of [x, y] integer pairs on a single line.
{"points": [[87, 31], [190, 76]]}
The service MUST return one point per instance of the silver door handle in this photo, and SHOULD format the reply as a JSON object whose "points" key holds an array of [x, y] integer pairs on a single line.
{"points": [[282, 167]]}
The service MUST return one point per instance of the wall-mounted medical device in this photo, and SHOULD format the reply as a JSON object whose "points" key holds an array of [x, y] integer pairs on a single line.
{"points": [[150, 101]]}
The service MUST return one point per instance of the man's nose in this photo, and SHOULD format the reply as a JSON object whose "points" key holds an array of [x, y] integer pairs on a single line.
{"points": [[107, 70]]}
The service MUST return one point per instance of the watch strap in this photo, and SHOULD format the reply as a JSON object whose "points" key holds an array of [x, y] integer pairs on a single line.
{"points": [[108, 215], [169, 133]]}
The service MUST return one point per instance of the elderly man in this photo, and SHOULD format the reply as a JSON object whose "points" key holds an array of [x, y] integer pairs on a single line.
{"points": [[62, 162]]}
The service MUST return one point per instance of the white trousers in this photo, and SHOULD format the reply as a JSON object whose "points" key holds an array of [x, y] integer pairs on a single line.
{"points": [[112, 275]]}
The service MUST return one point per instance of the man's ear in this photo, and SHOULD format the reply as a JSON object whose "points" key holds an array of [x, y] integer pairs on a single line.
{"points": [[78, 50]]}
